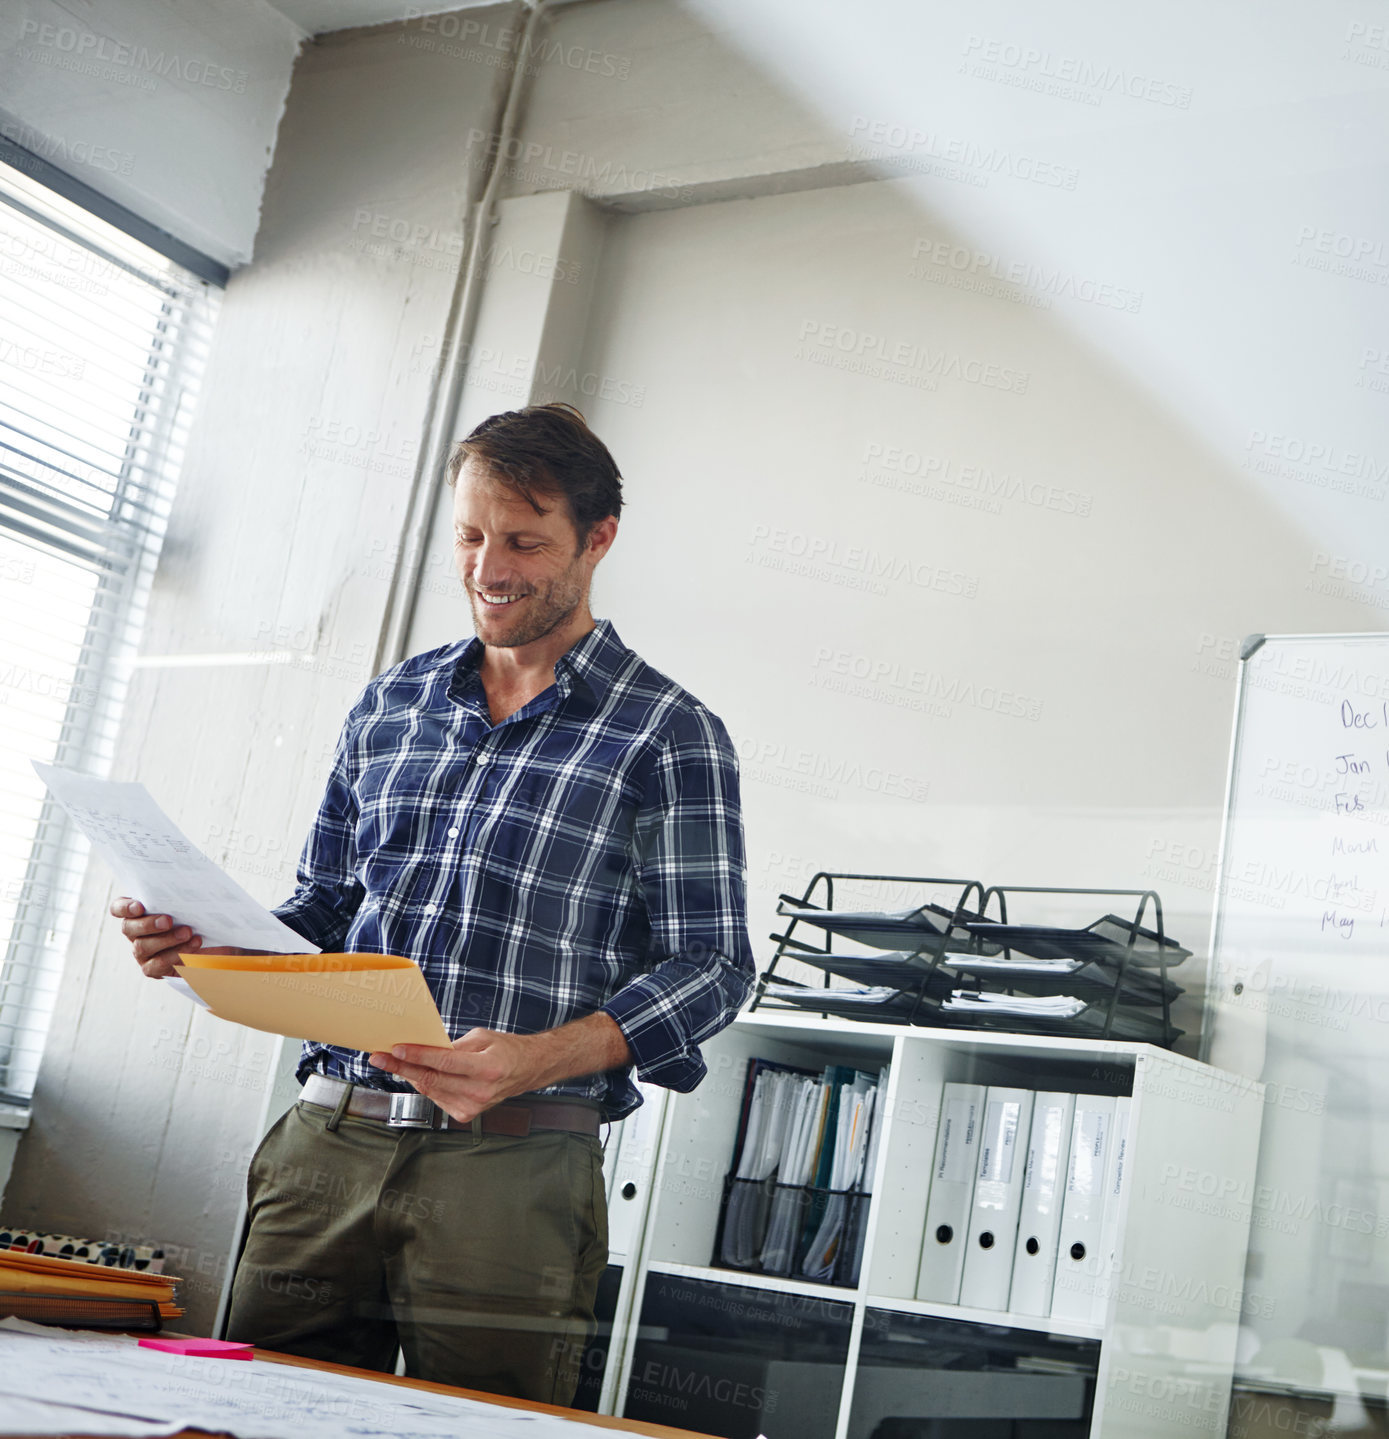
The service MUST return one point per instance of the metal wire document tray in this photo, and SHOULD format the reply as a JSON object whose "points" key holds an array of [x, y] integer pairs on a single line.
{"points": [[957, 960]]}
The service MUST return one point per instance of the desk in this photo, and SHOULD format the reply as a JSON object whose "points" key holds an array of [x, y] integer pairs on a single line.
{"points": [[628, 1426]]}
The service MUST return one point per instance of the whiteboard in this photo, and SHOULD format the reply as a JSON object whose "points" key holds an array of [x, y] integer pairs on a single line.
{"points": [[1299, 998]]}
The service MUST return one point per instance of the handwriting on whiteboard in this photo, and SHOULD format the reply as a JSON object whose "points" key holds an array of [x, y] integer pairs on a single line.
{"points": [[1356, 798]]}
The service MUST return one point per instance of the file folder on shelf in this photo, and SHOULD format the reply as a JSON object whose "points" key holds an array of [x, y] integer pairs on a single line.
{"points": [[790, 1197], [757, 1151], [993, 1222], [794, 1201], [951, 1193], [856, 1221], [1079, 1257], [1044, 1188], [838, 1169]]}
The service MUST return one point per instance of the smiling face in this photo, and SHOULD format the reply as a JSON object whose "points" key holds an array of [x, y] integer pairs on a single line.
{"points": [[526, 575]]}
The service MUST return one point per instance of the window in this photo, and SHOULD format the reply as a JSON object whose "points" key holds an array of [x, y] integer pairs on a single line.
{"points": [[102, 341]]}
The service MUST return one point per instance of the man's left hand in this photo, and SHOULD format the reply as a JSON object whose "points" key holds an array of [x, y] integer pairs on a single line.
{"points": [[485, 1066]]}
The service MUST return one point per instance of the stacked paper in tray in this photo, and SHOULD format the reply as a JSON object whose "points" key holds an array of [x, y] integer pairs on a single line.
{"points": [[803, 1155], [1025, 1200], [33, 1277], [956, 968]]}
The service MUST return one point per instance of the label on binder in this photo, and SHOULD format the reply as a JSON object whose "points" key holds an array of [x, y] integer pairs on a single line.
{"points": [[1000, 1144], [956, 1144]]}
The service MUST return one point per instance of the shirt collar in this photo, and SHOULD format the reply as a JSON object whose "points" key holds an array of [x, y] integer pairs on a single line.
{"points": [[593, 661]]}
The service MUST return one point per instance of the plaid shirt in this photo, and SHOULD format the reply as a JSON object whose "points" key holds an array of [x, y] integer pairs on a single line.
{"points": [[584, 855]]}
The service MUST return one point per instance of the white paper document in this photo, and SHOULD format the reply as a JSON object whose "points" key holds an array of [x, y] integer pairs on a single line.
{"points": [[1025, 1006], [57, 1381], [864, 994], [157, 864]]}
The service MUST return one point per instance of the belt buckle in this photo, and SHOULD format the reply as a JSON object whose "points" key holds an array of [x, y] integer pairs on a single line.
{"points": [[413, 1111]]}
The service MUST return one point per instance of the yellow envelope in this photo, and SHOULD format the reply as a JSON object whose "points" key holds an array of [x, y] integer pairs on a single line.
{"points": [[360, 1001]]}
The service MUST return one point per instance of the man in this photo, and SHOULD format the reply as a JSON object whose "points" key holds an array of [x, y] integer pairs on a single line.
{"points": [[551, 829]]}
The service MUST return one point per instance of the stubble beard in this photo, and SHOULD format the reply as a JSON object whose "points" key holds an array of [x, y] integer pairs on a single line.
{"points": [[550, 608]]}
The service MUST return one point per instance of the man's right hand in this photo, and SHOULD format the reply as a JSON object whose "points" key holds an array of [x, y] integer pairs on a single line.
{"points": [[157, 939]]}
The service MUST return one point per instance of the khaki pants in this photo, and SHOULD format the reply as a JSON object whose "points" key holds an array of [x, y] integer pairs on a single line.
{"points": [[478, 1256]]}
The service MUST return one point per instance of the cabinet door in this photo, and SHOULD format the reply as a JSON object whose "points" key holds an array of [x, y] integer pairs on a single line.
{"points": [[738, 1362], [599, 1351], [920, 1377]]}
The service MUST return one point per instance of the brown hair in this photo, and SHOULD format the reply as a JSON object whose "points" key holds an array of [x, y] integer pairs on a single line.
{"points": [[547, 450]]}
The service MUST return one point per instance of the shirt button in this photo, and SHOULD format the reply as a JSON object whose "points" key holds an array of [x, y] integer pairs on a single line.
{"points": [[453, 833], [480, 758], [430, 908]]}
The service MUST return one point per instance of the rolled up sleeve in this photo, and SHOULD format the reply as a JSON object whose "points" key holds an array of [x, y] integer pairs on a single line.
{"points": [[690, 865]]}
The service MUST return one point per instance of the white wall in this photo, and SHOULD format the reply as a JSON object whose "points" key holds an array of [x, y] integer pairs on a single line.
{"points": [[923, 677], [170, 110]]}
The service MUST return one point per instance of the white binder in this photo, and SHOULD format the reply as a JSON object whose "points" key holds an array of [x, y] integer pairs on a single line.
{"points": [[952, 1188], [1079, 1258], [633, 1173], [993, 1219], [1043, 1189], [1113, 1204]]}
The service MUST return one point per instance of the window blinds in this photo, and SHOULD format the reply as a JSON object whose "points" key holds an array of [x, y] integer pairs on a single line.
{"points": [[102, 343]]}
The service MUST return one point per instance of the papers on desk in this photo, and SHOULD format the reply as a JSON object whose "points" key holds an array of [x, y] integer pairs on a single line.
{"points": [[157, 864], [796, 1198], [108, 1385]]}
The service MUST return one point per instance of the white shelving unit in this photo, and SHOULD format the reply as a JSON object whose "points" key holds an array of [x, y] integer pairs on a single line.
{"points": [[1164, 1353]]}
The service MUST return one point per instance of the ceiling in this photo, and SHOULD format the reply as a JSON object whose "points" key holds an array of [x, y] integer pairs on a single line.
{"points": [[315, 16]]}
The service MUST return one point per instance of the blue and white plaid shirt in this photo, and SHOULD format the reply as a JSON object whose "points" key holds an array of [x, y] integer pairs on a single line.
{"points": [[585, 854]]}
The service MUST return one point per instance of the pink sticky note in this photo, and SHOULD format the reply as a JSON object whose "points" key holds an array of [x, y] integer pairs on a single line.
{"points": [[200, 1348]]}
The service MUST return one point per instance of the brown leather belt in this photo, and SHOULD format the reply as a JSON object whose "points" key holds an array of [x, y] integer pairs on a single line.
{"points": [[514, 1118]]}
